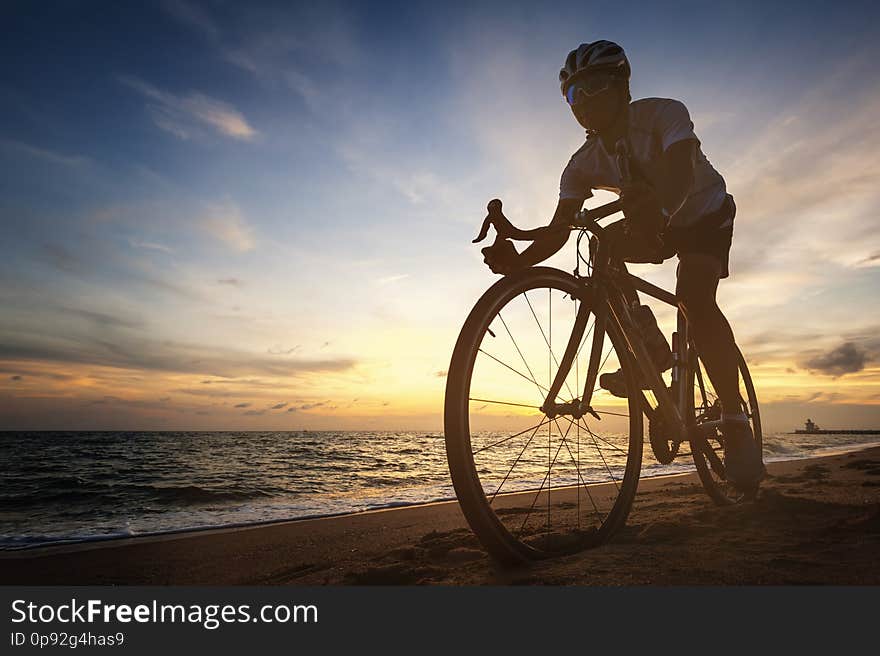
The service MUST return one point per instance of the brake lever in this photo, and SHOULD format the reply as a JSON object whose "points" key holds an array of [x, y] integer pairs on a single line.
{"points": [[484, 230], [506, 230], [494, 217]]}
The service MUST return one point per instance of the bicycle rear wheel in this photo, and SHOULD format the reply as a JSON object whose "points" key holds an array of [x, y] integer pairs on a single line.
{"points": [[706, 406], [532, 486]]}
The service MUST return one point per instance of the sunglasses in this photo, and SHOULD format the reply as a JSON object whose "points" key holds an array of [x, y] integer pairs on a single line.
{"points": [[587, 87]]}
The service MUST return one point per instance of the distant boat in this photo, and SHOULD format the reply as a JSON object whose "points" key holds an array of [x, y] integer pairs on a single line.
{"points": [[812, 428]]}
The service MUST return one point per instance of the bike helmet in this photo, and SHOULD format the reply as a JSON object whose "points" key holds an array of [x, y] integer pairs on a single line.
{"points": [[594, 57]]}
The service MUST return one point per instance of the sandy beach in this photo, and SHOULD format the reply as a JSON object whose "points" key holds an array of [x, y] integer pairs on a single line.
{"points": [[816, 521]]}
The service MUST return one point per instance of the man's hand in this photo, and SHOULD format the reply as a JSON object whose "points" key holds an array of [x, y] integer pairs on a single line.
{"points": [[642, 207], [501, 257]]}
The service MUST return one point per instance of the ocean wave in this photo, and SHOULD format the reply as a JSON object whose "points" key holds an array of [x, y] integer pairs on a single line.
{"points": [[76, 490], [193, 494]]}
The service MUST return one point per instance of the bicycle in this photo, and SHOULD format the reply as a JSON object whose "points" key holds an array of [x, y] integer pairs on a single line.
{"points": [[513, 514]]}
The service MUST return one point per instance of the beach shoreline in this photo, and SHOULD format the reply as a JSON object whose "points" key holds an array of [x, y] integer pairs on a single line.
{"points": [[817, 521]]}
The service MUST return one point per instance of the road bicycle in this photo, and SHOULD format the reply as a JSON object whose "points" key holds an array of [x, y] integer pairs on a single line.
{"points": [[544, 461]]}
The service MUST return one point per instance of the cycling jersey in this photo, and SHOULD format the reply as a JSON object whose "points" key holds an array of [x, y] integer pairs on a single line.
{"points": [[654, 124]]}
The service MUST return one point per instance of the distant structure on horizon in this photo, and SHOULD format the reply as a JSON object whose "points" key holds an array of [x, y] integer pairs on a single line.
{"points": [[812, 428]]}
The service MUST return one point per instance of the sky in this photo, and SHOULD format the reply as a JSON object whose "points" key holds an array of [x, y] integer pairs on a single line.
{"points": [[253, 216]]}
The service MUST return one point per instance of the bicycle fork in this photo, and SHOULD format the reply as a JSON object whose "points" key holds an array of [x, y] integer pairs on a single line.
{"points": [[595, 299]]}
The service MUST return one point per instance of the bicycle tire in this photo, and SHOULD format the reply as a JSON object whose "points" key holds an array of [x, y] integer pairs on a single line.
{"points": [[711, 476], [503, 544]]}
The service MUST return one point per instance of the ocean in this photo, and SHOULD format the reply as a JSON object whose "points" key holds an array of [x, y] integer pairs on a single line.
{"points": [[60, 487]]}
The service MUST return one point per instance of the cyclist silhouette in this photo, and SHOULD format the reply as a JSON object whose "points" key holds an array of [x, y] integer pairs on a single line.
{"points": [[675, 202]]}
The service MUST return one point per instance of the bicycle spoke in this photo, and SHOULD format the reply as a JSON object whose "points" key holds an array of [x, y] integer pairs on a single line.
{"points": [[610, 445], [546, 341], [518, 373], [607, 412], [602, 455], [504, 480], [604, 360], [550, 360], [507, 439], [703, 389], [540, 489], [580, 477], [519, 405], [516, 346]]}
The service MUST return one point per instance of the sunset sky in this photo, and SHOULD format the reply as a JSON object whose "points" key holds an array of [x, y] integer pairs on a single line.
{"points": [[217, 216]]}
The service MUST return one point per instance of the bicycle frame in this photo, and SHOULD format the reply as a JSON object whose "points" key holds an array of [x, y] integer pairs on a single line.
{"points": [[605, 295]]}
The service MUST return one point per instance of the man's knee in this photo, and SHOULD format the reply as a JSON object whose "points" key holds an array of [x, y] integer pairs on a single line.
{"points": [[696, 305]]}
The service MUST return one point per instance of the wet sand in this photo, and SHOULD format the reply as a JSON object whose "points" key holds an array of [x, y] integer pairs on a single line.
{"points": [[816, 521]]}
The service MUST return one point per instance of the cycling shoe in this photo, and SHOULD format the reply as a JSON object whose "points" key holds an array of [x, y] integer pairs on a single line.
{"points": [[743, 464]]}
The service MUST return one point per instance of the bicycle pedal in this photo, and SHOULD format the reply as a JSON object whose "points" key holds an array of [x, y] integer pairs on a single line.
{"points": [[614, 383]]}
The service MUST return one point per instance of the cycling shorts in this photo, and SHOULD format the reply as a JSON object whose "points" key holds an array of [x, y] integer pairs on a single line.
{"points": [[711, 235]]}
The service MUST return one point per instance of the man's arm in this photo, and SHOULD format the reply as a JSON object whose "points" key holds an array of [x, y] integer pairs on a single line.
{"points": [[679, 161], [642, 203], [543, 248]]}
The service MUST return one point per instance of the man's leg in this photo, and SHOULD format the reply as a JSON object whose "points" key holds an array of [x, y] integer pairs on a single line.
{"points": [[698, 276]]}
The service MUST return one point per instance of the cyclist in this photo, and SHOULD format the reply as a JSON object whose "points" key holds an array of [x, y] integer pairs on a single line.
{"points": [[673, 192]]}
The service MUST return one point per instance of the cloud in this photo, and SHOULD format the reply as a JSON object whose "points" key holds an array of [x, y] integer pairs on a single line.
{"points": [[278, 406], [242, 405], [309, 406], [136, 243], [92, 259], [64, 259], [126, 350], [225, 223], [361, 152], [817, 398], [277, 350], [193, 16], [291, 409], [20, 371], [440, 374], [279, 44], [846, 358], [235, 282], [798, 176], [871, 260], [187, 116], [213, 393], [390, 279], [103, 319], [44, 154], [144, 404]]}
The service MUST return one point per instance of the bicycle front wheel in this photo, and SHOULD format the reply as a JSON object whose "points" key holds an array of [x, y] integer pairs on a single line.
{"points": [[532, 486]]}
